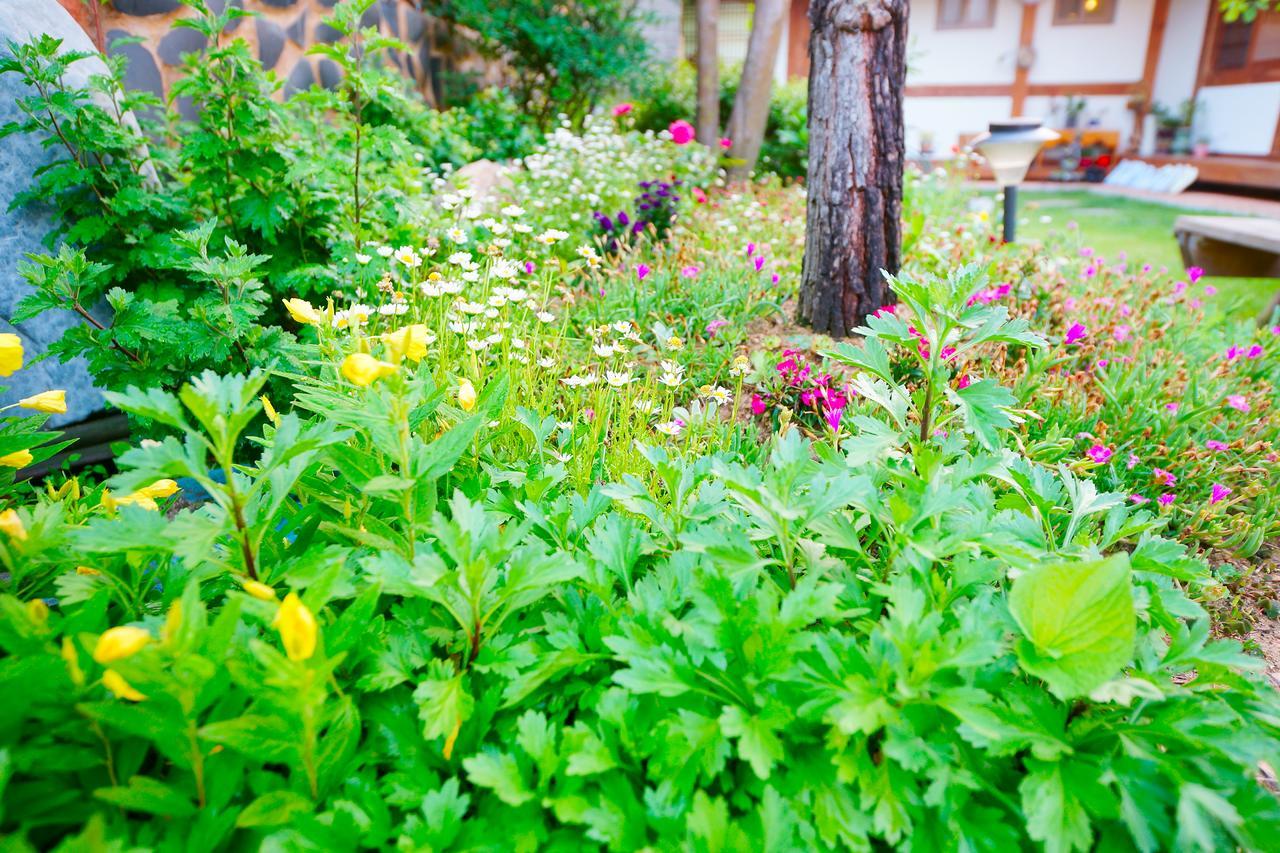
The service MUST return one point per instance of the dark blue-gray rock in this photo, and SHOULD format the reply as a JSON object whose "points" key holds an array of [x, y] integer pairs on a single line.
{"points": [[145, 7], [142, 71], [370, 17], [270, 42], [415, 24], [187, 108], [300, 78], [219, 6], [327, 34], [297, 31], [330, 74], [390, 14], [280, 4], [178, 42], [23, 229]]}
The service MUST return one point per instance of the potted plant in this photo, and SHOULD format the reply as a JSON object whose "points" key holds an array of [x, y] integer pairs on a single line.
{"points": [[1167, 124], [1075, 106]]}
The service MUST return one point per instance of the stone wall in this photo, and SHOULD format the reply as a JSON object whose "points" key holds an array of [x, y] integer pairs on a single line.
{"points": [[280, 34]]}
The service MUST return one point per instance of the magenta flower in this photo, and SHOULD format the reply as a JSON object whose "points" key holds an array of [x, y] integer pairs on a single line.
{"points": [[1075, 334], [1238, 402], [1275, 330], [1122, 332], [690, 271], [529, 267], [621, 109], [1132, 461], [726, 143], [1255, 351], [1166, 499], [758, 260], [1194, 273], [1171, 407], [963, 382], [1139, 499], [716, 325], [1100, 453], [1218, 493], [751, 249], [681, 132], [1179, 287], [1214, 444], [1165, 477], [1210, 290], [642, 270], [774, 279], [758, 405]]}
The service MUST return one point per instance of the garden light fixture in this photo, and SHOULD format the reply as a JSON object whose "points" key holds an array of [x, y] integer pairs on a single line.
{"points": [[1009, 146]]}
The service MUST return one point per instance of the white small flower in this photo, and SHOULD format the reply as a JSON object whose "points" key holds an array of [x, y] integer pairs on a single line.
{"points": [[522, 228], [670, 428], [671, 380], [546, 362], [385, 251], [471, 276], [460, 258], [718, 394], [644, 406], [363, 258], [457, 235], [546, 317], [504, 269], [408, 257], [513, 210], [618, 378], [561, 457], [604, 350]]}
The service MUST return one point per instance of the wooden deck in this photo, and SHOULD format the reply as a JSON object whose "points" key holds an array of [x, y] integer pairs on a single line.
{"points": [[1256, 172]]}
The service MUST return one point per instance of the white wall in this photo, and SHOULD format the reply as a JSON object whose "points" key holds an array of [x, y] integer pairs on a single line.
{"points": [[947, 118], [1239, 119], [1092, 53], [962, 56], [1180, 53], [1110, 111]]}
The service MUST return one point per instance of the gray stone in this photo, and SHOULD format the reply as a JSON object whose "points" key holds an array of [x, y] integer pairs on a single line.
{"points": [[415, 24], [327, 34], [280, 4], [179, 41], [297, 31], [370, 18], [270, 42], [330, 74], [23, 229], [391, 14], [187, 108], [145, 7], [142, 71], [300, 78]]}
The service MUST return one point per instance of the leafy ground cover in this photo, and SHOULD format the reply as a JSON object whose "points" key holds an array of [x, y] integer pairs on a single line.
{"points": [[538, 535]]}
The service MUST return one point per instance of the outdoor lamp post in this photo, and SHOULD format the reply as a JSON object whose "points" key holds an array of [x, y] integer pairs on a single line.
{"points": [[1009, 147]]}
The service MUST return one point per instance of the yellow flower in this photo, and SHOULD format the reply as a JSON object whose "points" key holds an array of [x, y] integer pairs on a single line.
{"points": [[38, 611], [119, 643], [146, 497], [115, 682], [304, 312], [12, 525], [73, 661], [272, 414], [52, 402], [675, 342], [16, 459], [260, 591], [466, 395], [297, 628], [172, 622], [409, 342], [135, 499], [363, 369], [159, 489], [10, 354], [86, 570]]}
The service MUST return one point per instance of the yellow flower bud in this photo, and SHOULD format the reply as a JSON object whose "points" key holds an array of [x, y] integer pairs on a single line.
{"points": [[73, 661], [119, 643], [16, 459], [51, 402], [38, 611], [11, 524], [172, 622], [260, 591], [363, 369], [115, 682], [466, 395], [159, 489], [303, 312], [138, 498], [409, 342], [10, 354], [297, 627], [86, 570], [272, 414]]}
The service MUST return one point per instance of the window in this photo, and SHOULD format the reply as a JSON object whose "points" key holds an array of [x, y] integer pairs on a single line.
{"points": [[1242, 51], [966, 14], [733, 30], [1084, 11]]}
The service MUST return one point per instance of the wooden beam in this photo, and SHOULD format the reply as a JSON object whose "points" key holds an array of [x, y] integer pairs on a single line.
{"points": [[1155, 43], [798, 39], [957, 90], [970, 90], [1022, 71], [1206, 48]]}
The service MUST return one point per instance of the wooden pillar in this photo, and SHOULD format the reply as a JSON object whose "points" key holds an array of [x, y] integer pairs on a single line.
{"points": [[798, 39], [1155, 42], [1021, 75]]}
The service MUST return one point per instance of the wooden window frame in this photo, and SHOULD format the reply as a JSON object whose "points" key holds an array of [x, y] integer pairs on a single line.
{"points": [[1252, 72], [989, 23], [1059, 21]]}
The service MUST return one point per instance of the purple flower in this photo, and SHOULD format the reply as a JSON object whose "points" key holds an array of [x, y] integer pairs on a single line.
{"points": [[1076, 333], [642, 270], [1165, 477], [1233, 353], [1214, 444], [529, 267], [774, 279], [690, 271], [1194, 273], [1166, 499], [1132, 462], [758, 260], [1255, 351], [1210, 290], [1139, 499], [716, 325], [751, 249], [1218, 493], [1171, 407], [1100, 453]]}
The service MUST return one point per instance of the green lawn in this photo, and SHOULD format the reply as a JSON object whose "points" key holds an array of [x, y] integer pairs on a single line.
{"points": [[1141, 229]]}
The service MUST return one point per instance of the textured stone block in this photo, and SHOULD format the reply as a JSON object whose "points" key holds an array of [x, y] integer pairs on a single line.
{"points": [[179, 42], [271, 38]]}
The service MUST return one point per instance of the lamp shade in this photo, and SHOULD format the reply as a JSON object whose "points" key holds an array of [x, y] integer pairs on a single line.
{"points": [[1010, 146]]}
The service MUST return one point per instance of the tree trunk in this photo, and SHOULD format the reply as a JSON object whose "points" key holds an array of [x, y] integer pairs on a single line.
{"points": [[708, 120], [857, 72], [751, 103]]}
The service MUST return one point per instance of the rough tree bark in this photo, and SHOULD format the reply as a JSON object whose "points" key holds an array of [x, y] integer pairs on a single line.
{"points": [[708, 120], [751, 103], [857, 73]]}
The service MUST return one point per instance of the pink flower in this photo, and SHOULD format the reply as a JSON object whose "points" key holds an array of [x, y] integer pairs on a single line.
{"points": [[758, 260], [681, 132], [1214, 444], [758, 405], [1238, 402], [621, 109], [1167, 498], [963, 382], [774, 279], [1100, 453], [1164, 477], [1194, 273], [1132, 461], [1139, 499], [885, 311], [716, 325], [1218, 493], [1233, 353], [690, 271], [1210, 290], [529, 267], [1255, 351], [1179, 287], [1122, 332], [751, 249], [699, 196], [642, 270], [1171, 407], [726, 143], [1195, 304], [1076, 333], [1275, 330]]}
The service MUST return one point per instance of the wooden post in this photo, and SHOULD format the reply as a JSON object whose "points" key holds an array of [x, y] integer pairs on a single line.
{"points": [[1022, 72], [857, 77]]}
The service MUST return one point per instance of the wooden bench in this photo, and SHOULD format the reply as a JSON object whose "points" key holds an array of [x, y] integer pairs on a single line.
{"points": [[1230, 245]]}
